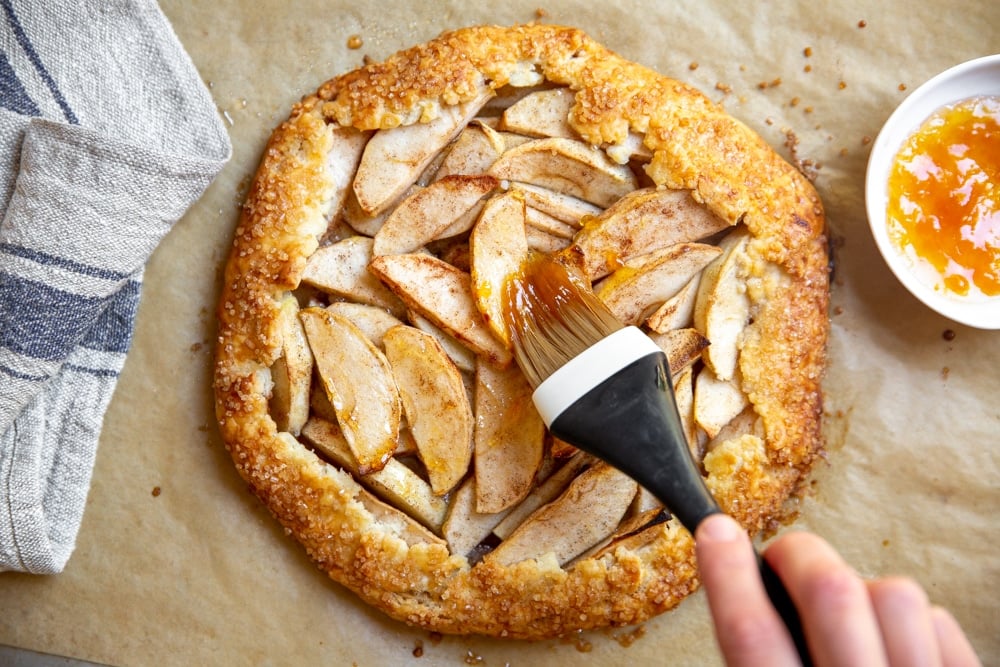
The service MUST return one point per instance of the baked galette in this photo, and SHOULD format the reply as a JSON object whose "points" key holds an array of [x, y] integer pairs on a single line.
{"points": [[364, 381]]}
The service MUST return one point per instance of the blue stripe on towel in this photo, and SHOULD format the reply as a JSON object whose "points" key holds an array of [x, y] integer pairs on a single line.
{"points": [[51, 260], [13, 96], [99, 372], [39, 321], [29, 49], [112, 332], [22, 376]]}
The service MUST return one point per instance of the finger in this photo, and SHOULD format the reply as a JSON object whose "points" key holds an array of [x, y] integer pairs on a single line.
{"points": [[956, 650], [748, 629], [904, 616], [837, 615]]}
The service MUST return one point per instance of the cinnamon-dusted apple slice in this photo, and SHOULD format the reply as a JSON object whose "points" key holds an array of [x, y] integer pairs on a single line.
{"points": [[358, 380], [545, 242], [748, 422], [635, 531], [676, 312], [372, 320], [565, 208], [292, 371], [722, 308], [461, 356], [684, 398], [465, 527], [322, 408], [544, 222], [424, 215], [587, 512], [509, 438], [544, 113], [394, 158], [567, 166], [442, 294], [395, 483], [683, 347], [464, 222], [632, 148], [640, 286], [342, 269], [498, 246], [342, 162], [716, 401], [641, 222], [474, 152], [544, 493], [434, 401], [366, 223]]}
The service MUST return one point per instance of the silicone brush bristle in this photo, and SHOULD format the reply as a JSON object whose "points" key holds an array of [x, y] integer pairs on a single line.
{"points": [[552, 315]]}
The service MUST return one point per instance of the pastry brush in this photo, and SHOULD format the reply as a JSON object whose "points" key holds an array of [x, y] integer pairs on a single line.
{"points": [[606, 388]]}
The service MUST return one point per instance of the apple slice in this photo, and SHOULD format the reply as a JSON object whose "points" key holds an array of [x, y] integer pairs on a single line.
{"points": [[565, 208], [641, 222], [632, 148], [435, 404], [683, 347], [395, 158], [639, 287], [509, 438], [543, 494], [684, 397], [395, 483], [748, 422], [358, 381], [544, 113], [498, 247], [365, 223], [546, 223], [292, 371], [442, 294], [722, 308], [423, 216], [342, 160], [461, 356], [716, 401], [373, 321], [464, 222], [567, 166], [545, 242], [342, 269], [587, 512], [474, 152], [635, 533], [465, 527], [676, 312]]}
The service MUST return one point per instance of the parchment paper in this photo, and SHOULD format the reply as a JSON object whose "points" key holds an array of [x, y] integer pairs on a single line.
{"points": [[177, 564]]}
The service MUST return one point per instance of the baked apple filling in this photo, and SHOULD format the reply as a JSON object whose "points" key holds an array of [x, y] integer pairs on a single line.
{"points": [[365, 383]]}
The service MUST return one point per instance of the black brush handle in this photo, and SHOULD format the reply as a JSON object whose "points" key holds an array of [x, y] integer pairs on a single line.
{"points": [[631, 421], [782, 603]]}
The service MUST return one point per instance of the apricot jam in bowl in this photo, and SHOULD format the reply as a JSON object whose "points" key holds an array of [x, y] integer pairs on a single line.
{"points": [[932, 193]]}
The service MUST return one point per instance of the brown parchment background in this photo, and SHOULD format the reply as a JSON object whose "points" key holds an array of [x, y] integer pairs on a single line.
{"points": [[200, 574]]}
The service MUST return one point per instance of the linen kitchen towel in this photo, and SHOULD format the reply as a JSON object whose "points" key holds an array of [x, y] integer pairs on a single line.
{"points": [[107, 136]]}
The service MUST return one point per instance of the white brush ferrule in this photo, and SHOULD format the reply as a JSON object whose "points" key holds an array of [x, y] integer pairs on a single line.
{"points": [[590, 368]]}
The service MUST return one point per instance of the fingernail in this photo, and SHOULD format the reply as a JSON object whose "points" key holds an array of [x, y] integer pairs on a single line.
{"points": [[719, 528]]}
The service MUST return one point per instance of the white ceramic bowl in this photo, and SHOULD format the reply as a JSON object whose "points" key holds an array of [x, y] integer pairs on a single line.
{"points": [[978, 77]]}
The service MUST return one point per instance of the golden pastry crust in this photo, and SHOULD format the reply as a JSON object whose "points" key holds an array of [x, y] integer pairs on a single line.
{"points": [[408, 573]]}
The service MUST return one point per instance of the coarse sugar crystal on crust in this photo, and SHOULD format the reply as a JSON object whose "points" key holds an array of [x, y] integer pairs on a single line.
{"points": [[379, 552]]}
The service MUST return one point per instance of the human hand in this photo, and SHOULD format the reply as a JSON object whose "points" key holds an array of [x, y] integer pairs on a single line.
{"points": [[847, 620]]}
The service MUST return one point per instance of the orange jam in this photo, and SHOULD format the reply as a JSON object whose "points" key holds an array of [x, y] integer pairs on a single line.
{"points": [[944, 195]]}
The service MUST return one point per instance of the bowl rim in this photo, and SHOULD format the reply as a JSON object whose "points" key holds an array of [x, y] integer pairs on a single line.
{"points": [[983, 313]]}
